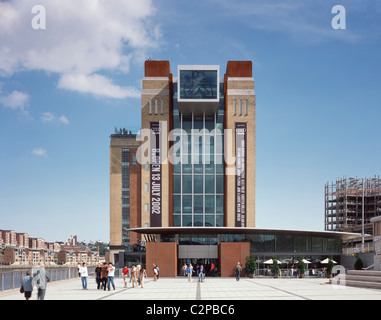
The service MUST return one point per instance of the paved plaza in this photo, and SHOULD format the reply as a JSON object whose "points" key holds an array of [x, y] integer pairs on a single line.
{"points": [[212, 289]]}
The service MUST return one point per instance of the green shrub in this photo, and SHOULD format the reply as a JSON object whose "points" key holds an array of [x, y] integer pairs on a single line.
{"points": [[250, 265], [275, 266], [359, 265]]}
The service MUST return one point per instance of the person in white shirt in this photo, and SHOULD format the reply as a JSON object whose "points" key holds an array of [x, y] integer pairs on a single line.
{"points": [[84, 275], [110, 276]]}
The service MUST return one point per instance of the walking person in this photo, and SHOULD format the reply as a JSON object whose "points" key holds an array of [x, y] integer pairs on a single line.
{"points": [[104, 274], [154, 273], [97, 275], [158, 272], [184, 269], [125, 273], [201, 274], [142, 274], [238, 270], [138, 267], [40, 279], [110, 276], [134, 274], [27, 285], [189, 272], [84, 274]]}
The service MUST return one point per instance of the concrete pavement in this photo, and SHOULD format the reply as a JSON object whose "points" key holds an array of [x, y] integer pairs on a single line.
{"points": [[212, 289]]}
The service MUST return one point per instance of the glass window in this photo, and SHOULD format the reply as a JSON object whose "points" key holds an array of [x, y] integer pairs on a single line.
{"points": [[197, 144], [187, 123], [198, 185], [187, 204], [177, 204], [177, 220], [220, 124], [187, 184], [186, 144], [209, 220], [198, 220], [220, 204], [187, 220], [256, 242], [176, 184], [209, 204], [219, 184], [176, 121], [198, 122], [269, 243], [209, 164], [209, 144], [219, 220], [284, 243], [219, 144], [198, 168], [187, 168], [209, 122], [177, 168], [209, 184], [301, 244], [198, 204], [317, 244]]}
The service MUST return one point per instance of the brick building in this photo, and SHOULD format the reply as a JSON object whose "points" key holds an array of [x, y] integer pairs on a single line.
{"points": [[184, 187]]}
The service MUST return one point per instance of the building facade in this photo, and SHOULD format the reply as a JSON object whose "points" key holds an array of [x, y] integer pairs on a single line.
{"points": [[196, 151]]}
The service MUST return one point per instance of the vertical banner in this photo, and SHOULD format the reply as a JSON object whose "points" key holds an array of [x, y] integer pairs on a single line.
{"points": [[240, 174], [155, 175]]}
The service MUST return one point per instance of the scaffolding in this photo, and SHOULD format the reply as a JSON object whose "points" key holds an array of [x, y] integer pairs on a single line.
{"points": [[350, 203]]}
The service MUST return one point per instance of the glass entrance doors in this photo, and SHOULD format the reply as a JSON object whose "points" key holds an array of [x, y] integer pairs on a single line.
{"points": [[210, 265]]}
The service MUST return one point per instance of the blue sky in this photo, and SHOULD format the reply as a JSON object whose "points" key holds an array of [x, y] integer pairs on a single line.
{"points": [[63, 89]]}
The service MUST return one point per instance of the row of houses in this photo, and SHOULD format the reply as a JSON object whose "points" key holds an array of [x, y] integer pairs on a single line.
{"points": [[18, 249]]}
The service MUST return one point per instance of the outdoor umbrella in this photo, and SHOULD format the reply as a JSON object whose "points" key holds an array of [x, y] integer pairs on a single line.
{"points": [[270, 261], [305, 261], [325, 261]]}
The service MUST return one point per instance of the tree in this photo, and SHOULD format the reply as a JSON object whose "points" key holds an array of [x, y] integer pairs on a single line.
{"points": [[275, 267], [250, 265], [358, 264], [301, 266], [330, 265]]}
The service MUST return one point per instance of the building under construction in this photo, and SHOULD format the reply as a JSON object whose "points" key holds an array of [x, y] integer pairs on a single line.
{"points": [[350, 203]]}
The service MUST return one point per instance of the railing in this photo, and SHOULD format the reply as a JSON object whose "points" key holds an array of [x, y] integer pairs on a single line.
{"points": [[317, 273], [12, 279]]}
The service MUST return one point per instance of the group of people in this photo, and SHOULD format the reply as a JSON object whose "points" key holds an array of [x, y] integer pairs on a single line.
{"points": [[39, 280], [137, 275], [104, 276], [188, 271]]}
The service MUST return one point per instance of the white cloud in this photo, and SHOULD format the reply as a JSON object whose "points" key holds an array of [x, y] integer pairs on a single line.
{"points": [[82, 38], [47, 117], [97, 85], [50, 117], [39, 152], [16, 100], [63, 119]]}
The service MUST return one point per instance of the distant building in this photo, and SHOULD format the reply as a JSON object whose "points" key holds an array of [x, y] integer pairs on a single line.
{"points": [[21, 250]]}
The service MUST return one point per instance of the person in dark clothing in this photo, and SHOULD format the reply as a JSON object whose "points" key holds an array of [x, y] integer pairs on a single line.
{"points": [[97, 275], [104, 274]]}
